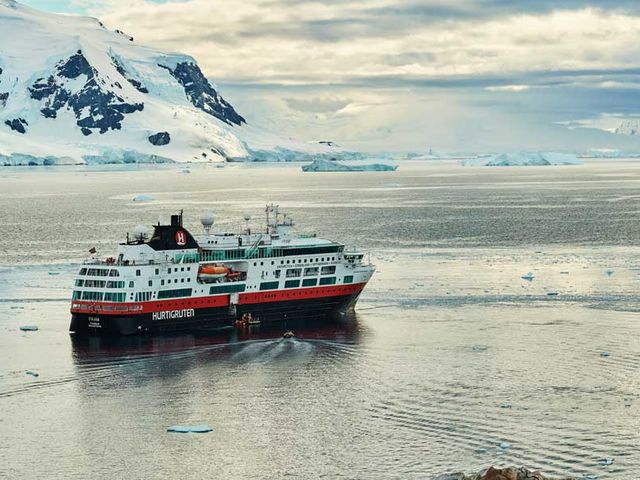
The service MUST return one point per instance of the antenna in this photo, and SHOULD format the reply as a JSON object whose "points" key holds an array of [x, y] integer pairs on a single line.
{"points": [[247, 219]]}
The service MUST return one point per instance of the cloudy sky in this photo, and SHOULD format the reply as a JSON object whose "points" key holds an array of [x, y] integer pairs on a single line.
{"points": [[469, 75]]}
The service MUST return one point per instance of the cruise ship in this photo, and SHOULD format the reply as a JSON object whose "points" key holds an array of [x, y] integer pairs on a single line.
{"points": [[172, 280]]}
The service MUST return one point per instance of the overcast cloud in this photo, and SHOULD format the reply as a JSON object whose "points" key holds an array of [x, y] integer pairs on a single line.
{"points": [[515, 67]]}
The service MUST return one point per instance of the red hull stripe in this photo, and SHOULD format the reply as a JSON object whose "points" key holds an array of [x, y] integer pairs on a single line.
{"points": [[106, 308], [299, 293]]}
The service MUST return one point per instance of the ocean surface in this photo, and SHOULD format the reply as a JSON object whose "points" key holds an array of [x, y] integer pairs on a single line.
{"points": [[449, 354]]}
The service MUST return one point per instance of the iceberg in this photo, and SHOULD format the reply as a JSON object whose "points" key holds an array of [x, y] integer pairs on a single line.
{"points": [[529, 277], [32, 373], [524, 160], [143, 198], [29, 328], [190, 429], [321, 165]]}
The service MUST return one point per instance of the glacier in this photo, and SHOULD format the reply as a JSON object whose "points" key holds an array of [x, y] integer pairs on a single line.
{"points": [[74, 92], [523, 159]]}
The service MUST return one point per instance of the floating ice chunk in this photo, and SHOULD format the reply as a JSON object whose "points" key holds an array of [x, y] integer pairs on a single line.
{"points": [[609, 273], [627, 402], [481, 450], [32, 373], [142, 198], [564, 273], [524, 160], [392, 185], [190, 429], [606, 461], [605, 354], [322, 165], [505, 445], [529, 277], [479, 348], [506, 405], [29, 328], [54, 273], [591, 476], [552, 294], [185, 170]]}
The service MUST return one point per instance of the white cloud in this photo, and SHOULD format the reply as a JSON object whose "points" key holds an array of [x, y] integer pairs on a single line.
{"points": [[292, 42], [509, 88]]}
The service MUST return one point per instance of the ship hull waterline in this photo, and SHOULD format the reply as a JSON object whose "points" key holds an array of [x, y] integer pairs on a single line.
{"points": [[96, 324]]}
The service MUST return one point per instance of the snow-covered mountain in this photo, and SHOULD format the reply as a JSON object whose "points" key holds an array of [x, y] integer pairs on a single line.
{"points": [[629, 127], [72, 91]]}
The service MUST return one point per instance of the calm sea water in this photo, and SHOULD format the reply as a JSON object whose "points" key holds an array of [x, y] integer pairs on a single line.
{"points": [[449, 354]]}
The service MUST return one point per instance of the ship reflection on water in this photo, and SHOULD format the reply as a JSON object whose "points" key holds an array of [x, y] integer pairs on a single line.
{"points": [[234, 343]]}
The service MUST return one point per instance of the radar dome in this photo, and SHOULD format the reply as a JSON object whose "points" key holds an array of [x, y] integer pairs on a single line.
{"points": [[140, 233], [206, 219]]}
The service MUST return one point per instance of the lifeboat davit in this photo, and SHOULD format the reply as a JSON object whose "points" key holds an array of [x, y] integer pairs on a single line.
{"points": [[210, 273]]}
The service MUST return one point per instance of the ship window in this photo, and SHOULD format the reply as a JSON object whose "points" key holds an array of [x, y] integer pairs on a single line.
{"points": [[157, 271], [97, 296], [348, 279], [131, 284], [151, 283], [268, 285], [309, 282], [182, 269], [230, 288], [76, 295], [181, 292], [83, 271], [79, 282], [162, 282], [137, 273], [169, 270], [182, 280], [311, 271], [328, 281], [114, 273], [276, 274], [294, 272], [328, 270], [292, 284]]}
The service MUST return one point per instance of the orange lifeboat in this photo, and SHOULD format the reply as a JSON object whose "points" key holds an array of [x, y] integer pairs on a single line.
{"points": [[210, 273]]}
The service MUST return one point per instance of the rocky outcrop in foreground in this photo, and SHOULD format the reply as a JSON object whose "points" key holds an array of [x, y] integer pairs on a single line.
{"points": [[509, 473]]}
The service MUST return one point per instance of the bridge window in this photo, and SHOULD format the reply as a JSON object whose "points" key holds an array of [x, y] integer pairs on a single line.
{"points": [[328, 270], [328, 281], [309, 282], [311, 271], [348, 279], [292, 284]]}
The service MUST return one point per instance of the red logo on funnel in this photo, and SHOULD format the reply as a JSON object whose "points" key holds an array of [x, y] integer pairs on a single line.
{"points": [[181, 238]]}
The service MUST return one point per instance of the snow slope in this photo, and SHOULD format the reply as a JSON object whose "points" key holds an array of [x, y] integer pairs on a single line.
{"points": [[629, 128], [72, 91]]}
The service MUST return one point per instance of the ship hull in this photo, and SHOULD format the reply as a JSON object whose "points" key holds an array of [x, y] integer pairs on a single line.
{"points": [[194, 319]]}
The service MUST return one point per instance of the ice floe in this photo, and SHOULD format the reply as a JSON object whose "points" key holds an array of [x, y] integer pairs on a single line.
{"points": [[190, 429], [523, 160]]}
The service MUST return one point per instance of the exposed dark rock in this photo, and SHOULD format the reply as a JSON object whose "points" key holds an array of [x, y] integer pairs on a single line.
{"points": [[160, 138], [17, 124], [94, 106], [136, 84], [202, 95], [85, 131], [492, 473], [128, 37], [3, 99]]}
